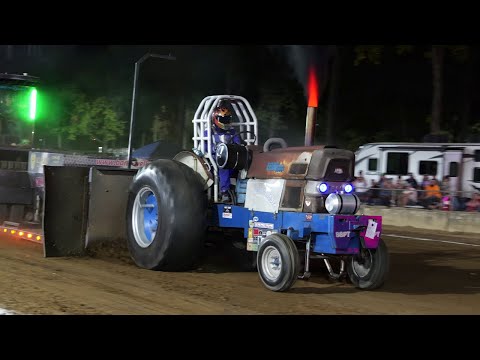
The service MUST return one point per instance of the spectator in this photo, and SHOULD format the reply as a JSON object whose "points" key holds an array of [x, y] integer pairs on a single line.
{"points": [[451, 194], [425, 181], [422, 186], [385, 194], [408, 196], [411, 181], [474, 203], [433, 196], [445, 185], [372, 193], [397, 190], [445, 190], [361, 187]]}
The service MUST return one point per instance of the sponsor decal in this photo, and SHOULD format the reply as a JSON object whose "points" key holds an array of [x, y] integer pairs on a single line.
{"points": [[258, 235], [371, 229], [263, 225], [252, 247], [308, 217], [275, 167], [227, 212]]}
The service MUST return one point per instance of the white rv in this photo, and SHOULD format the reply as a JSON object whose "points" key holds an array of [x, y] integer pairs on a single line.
{"points": [[459, 160]]}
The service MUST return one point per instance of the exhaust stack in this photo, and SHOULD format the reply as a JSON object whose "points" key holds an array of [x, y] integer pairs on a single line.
{"points": [[310, 125], [311, 119]]}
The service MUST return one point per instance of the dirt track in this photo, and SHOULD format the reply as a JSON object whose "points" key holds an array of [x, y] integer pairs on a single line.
{"points": [[425, 278]]}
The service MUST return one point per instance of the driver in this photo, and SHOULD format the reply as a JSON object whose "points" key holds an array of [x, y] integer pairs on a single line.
{"points": [[223, 132]]}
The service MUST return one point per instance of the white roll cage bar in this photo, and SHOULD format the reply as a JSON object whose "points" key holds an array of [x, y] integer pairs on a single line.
{"points": [[202, 128]]}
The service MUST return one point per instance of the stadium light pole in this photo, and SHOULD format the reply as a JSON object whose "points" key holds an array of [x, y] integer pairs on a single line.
{"points": [[32, 113], [135, 81]]}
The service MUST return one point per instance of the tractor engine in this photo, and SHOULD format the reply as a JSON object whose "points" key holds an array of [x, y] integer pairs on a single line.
{"points": [[311, 179]]}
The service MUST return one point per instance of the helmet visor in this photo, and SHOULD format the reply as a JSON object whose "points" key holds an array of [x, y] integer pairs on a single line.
{"points": [[224, 119]]}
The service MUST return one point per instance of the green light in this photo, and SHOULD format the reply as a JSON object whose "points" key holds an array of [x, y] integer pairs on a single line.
{"points": [[33, 104]]}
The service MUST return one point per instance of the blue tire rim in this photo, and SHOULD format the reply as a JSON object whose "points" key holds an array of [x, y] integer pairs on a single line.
{"points": [[145, 217]]}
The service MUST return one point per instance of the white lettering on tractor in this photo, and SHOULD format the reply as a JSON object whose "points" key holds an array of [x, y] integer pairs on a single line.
{"points": [[342, 234], [263, 225]]}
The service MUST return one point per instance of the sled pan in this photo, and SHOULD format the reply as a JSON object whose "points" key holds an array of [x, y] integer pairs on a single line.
{"points": [[83, 205]]}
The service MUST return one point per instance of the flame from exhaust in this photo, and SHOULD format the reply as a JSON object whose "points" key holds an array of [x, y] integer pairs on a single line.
{"points": [[312, 88]]}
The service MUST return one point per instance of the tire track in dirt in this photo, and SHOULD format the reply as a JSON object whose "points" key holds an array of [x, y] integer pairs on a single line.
{"points": [[426, 278]]}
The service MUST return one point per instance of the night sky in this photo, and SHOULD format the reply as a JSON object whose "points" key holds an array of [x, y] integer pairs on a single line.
{"points": [[389, 101]]}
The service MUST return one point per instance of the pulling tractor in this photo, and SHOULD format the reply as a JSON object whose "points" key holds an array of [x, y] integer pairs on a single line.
{"points": [[292, 205]]}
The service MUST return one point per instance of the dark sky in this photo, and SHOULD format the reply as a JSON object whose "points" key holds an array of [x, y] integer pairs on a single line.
{"points": [[393, 98]]}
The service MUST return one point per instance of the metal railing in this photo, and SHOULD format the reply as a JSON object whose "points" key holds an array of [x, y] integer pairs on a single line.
{"points": [[444, 200]]}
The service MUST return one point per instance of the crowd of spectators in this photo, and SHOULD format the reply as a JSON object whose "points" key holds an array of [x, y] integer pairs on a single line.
{"points": [[401, 191]]}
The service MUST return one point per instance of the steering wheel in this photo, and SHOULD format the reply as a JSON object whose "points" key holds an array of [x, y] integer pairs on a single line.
{"points": [[250, 132]]}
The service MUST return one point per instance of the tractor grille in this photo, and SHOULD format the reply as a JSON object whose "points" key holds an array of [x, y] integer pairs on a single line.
{"points": [[338, 170]]}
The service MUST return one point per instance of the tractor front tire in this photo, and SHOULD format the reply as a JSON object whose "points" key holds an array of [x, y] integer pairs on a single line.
{"points": [[278, 262], [369, 269]]}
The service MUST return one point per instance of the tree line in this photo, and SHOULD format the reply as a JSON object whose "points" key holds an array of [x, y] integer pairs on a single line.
{"points": [[359, 101]]}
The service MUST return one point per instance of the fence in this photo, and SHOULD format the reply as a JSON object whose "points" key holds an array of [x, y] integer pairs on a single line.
{"points": [[421, 199], [422, 219]]}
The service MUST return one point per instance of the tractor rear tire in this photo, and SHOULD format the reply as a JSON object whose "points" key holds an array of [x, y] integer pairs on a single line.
{"points": [[166, 217]]}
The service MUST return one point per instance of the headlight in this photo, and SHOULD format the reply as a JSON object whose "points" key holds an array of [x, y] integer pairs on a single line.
{"points": [[322, 188], [348, 188]]}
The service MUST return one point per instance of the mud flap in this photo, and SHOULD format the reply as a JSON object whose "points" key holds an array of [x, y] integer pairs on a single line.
{"points": [[107, 207], [83, 206], [65, 210]]}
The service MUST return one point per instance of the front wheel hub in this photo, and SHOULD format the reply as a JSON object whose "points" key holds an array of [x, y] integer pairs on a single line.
{"points": [[271, 263]]}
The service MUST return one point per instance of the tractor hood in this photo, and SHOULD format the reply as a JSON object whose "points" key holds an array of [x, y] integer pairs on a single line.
{"points": [[310, 163]]}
